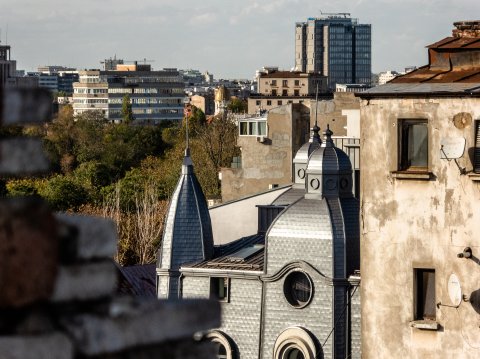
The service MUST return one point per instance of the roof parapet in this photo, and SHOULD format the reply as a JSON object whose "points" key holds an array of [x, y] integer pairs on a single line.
{"points": [[466, 29]]}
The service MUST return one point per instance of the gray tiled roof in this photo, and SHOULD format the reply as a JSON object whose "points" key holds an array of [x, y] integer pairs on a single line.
{"points": [[289, 196], [188, 231], [224, 259], [138, 280]]}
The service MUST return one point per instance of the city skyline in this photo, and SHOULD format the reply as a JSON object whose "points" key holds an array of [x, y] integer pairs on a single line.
{"points": [[229, 39]]}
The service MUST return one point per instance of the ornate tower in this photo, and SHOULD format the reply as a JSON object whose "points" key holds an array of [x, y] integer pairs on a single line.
{"points": [[188, 232]]}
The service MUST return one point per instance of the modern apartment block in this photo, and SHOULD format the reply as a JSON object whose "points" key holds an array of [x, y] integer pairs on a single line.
{"points": [[155, 95], [336, 46], [276, 88], [90, 93]]}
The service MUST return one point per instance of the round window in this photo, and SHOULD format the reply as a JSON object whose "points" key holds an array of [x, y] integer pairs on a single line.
{"points": [[298, 289]]}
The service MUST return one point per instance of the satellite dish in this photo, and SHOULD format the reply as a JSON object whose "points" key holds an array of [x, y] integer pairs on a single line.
{"points": [[462, 120], [452, 147], [454, 290]]}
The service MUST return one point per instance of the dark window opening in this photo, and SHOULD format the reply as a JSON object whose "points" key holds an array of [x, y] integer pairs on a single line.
{"points": [[296, 92], [413, 145], [425, 306], [284, 93], [298, 289], [219, 288], [274, 92], [476, 153]]}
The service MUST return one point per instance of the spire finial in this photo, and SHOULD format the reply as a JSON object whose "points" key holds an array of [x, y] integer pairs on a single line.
{"points": [[316, 135], [328, 136]]}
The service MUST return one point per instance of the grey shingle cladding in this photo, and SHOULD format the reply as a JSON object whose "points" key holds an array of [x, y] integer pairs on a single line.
{"points": [[318, 233], [188, 232]]}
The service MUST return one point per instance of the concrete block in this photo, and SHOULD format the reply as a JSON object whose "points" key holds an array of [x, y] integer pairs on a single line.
{"points": [[50, 346], [85, 282], [28, 251], [22, 106], [141, 323], [22, 156], [86, 237], [181, 349]]}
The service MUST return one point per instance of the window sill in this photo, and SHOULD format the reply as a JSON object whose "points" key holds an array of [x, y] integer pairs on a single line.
{"points": [[425, 324], [474, 176], [413, 175]]}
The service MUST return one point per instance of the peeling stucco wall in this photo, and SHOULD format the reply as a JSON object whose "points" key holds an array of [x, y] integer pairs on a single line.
{"points": [[269, 162], [407, 224]]}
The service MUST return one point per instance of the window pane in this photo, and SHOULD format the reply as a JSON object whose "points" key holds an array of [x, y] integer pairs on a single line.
{"points": [[418, 145], [429, 295], [244, 128], [262, 128], [252, 128]]}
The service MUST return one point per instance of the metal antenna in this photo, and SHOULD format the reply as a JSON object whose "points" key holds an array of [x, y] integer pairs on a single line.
{"points": [[316, 105], [186, 132]]}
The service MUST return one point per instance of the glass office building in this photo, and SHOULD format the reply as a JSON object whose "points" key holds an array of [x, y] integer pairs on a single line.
{"points": [[335, 46]]}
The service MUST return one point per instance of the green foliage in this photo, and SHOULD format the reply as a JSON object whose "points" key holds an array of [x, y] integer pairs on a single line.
{"points": [[237, 105], [62, 193], [127, 110], [22, 187]]}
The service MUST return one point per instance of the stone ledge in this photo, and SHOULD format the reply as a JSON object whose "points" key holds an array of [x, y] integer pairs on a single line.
{"points": [[412, 175], [133, 323], [49, 346], [424, 324], [474, 176], [85, 282], [94, 237]]}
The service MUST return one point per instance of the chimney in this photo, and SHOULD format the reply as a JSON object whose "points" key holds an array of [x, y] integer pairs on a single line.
{"points": [[467, 29]]}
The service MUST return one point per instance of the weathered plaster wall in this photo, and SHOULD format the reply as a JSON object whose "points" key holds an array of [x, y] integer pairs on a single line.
{"points": [[269, 162], [330, 112], [237, 219], [407, 224]]}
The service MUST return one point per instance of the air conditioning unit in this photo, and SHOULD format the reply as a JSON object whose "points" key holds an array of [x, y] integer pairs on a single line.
{"points": [[261, 139]]}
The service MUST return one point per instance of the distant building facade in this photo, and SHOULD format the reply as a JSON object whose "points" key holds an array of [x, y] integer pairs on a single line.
{"points": [[155, 95], [276, 88], [420, 210], [8, 66], [384, 77], [268, 143], [335, 46]]}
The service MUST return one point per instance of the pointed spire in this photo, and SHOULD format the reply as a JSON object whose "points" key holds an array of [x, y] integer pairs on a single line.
{"points": [[328, 137]]}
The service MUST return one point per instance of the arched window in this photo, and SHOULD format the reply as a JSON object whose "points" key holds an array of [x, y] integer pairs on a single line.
{"points": [[222, 342], [295, 343]]}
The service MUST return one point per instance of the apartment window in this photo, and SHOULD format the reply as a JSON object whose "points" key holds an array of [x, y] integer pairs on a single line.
{"points": [[476, 153], [219, 288], [296, 92], [253, 128], [274, 82], [269, 103], [413, 142], [285, 83], [284, 93], [274, 92], [279, 102], [425, 306], [257, 102], [297, 82]]}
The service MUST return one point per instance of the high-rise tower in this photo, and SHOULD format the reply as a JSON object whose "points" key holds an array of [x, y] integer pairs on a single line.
{"points": [[336, 46]]}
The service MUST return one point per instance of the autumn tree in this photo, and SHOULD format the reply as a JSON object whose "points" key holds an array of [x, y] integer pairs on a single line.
{"points": [[127, 110]]}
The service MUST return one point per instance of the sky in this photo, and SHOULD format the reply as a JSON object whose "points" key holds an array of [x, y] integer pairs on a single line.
{"points": [[229, 38]]}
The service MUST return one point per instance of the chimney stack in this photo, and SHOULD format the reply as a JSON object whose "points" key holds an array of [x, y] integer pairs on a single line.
{"points": [[467, 29]]}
